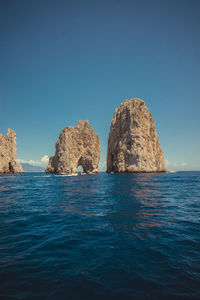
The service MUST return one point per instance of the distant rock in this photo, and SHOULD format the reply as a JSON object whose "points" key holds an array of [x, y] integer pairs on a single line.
{"points": [[8, 153], [76, 146], [30, 168], [133, 144]]}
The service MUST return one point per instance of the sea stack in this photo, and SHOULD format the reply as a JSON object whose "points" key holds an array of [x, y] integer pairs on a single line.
{"points": [[76, 146], [8, 153], [133, 144]]}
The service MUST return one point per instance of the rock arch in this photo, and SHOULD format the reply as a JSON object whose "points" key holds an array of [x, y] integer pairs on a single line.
{"points": [[76, 146], [86, 164]]}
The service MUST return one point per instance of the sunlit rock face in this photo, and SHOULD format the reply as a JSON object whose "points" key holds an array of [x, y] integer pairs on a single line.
{"points": [[76, 146], [133, 144], [8, 153]]}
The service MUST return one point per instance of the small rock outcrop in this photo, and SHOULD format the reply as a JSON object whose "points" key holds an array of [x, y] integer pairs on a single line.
{"points": [[76, 146], [8, 153], [133, 144]]}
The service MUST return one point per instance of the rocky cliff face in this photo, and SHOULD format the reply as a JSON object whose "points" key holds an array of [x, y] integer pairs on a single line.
{"points": [[133, 144], [8, 153], [76, 146]]}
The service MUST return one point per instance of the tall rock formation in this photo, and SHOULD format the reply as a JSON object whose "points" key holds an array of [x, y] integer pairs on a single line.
{"points": [[76, 146], [8, 153], [133, 144]]}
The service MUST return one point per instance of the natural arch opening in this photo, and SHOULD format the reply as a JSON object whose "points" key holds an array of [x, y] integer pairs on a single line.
{"points": [[80, 169], [86, 164]]}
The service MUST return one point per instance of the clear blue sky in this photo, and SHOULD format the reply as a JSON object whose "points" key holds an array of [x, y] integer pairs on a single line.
{"points": [[62, 61]]}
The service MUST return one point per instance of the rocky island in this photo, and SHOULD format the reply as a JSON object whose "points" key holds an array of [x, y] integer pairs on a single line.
{"points": [[8, 153], [76, 146], [133, 144]]}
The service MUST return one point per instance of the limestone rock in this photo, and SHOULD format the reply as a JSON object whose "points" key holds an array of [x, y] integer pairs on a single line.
{"points": [[76, 146], [8, 153], [133, 144]]}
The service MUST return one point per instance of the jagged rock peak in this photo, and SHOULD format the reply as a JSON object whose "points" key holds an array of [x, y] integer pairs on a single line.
{"points": [[76, 146], [133, 144], [8, 153]]}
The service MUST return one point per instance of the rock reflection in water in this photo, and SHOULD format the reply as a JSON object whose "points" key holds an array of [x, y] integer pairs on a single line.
{"points": [[138, 202]]}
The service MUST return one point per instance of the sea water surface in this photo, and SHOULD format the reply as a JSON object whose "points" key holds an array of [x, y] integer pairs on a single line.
{"points": [[103, 236]]}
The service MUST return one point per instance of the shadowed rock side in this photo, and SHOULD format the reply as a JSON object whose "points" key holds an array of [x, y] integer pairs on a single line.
{"points": [[76, 146], [133, 144], [8, 153]]}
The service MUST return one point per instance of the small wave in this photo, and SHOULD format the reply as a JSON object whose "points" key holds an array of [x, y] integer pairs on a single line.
{"points": [[64, 175], [42, 176]]}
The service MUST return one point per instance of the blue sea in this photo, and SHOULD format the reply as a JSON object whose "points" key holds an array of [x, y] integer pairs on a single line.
{"points": [[103, 236]]}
